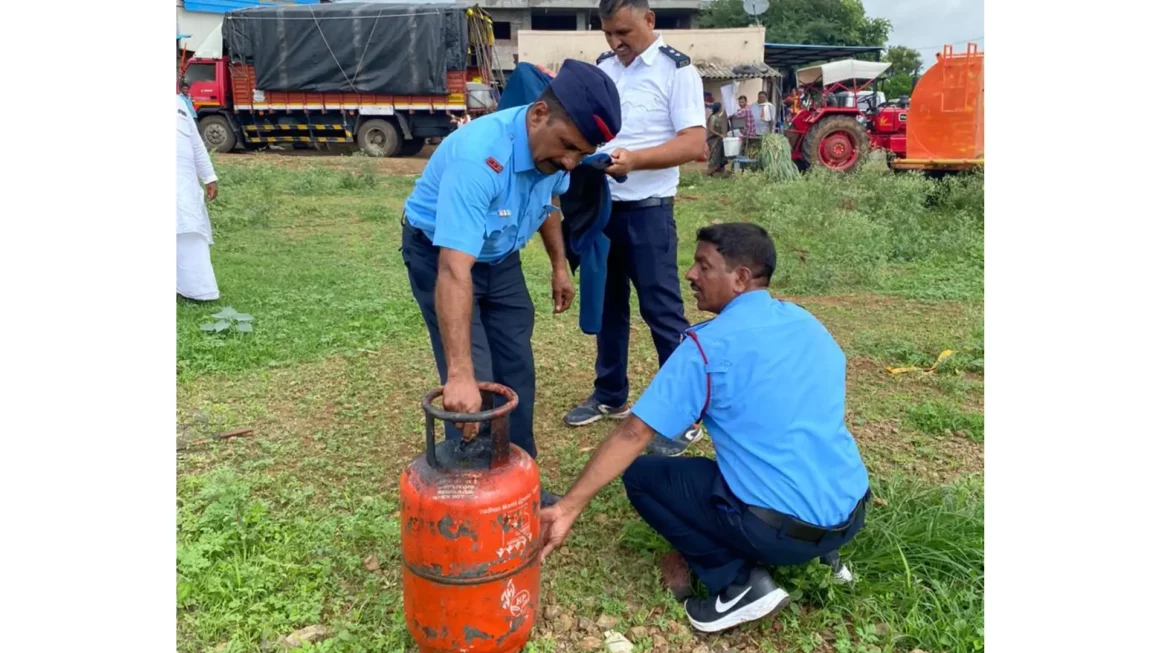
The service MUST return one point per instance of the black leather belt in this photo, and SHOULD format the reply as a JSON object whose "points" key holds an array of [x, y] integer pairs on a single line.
{"points": [[799, 530], [646, 203], [419, 235]]}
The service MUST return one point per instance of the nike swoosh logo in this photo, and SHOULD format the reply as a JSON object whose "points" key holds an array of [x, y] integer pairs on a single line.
{"points": [[722, 608]]}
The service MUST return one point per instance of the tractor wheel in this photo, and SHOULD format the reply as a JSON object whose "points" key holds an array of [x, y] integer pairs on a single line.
{"points": [[378, 137], [838, 143], [412, 147], [216, 133]]}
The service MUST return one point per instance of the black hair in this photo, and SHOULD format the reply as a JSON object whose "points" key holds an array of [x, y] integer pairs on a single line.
{"points": [[555, 109], [742, 243], [607, 8]]}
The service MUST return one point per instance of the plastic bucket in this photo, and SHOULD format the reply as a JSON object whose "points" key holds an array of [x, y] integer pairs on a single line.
{"points": [[732, 146]]}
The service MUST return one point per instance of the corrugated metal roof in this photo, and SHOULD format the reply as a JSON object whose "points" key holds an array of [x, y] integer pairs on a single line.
{"points": [[710, 70], [223, 6], [792, 55]]}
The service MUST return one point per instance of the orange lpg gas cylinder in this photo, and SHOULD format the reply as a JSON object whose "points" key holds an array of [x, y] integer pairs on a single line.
{"points": [[471, 533]]}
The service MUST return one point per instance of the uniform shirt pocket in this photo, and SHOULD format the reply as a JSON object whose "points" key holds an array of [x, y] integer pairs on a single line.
{"points": [[183, 126], [499, 233], [722, 384]]}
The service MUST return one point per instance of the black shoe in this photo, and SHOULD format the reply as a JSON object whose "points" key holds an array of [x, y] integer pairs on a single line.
{"points": [[662, 446], [737, 604], [547, 499], [593, 411]]}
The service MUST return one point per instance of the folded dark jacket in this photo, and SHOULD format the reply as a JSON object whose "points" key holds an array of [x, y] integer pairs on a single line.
{"points": [[586, 207], [523, 86]]}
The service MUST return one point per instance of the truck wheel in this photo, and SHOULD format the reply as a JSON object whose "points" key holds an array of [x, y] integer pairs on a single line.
{"points": [[838, 143], [378, 137], [217, 133], [412, 147]]}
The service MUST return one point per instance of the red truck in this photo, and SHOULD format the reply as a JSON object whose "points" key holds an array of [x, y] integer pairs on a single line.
{"points": [[367, 74]]}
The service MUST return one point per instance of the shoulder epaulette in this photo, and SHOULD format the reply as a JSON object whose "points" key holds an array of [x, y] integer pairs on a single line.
{"points": [[604, 56], [678, 57]]}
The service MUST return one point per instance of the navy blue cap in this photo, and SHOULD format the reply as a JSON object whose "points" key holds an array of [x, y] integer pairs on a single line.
{"points": [[589, 96]]}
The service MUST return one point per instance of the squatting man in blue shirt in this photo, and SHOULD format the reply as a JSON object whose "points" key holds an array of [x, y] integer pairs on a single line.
{"points": [[488, 189], [788, 484]]}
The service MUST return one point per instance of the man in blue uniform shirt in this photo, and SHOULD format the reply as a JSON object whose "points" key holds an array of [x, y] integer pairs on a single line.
{"points": [[488, 188], [769, 382], [662, 100]]}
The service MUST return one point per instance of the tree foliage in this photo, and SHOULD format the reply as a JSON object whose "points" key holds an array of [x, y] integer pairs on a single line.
{"points": [[905, 65], [829, 22]]}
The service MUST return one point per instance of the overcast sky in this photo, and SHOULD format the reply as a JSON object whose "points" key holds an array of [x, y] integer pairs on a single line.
{"points": [[927, 25]]}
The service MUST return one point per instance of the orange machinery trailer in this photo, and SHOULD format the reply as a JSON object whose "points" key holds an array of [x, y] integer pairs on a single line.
{"points": [[944, 129]]}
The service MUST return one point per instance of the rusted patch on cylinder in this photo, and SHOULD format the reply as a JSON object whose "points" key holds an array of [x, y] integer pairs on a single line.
{"points": [[474, 575], [429, 571], [471, 634], [463, 531], [514, 626], [471, 573]]}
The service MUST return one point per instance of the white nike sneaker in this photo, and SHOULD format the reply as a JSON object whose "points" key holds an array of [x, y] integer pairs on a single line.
{"points": [[758, 598], [842, 573]]}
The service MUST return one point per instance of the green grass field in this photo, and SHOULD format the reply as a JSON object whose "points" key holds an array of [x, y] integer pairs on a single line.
{"points": [[281, 530]]}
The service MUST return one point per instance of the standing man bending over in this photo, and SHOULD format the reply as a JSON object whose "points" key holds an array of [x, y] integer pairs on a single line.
{"points": [[788, 484], [662, 105], [489, 187]]}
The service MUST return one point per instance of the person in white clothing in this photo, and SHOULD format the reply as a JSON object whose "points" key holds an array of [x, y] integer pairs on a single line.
{"points": [[662, 106], [195, 277], [763, 114]]}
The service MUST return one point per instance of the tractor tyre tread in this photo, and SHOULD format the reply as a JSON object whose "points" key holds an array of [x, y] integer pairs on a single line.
{"points": [[829, 125]]}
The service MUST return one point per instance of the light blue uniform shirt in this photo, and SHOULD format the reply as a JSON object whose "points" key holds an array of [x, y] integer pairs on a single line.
{"points": [[481, 193], [776, 410], [189, 103]]}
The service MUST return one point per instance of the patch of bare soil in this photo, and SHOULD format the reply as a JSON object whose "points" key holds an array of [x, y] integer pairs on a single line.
{"points": [[300, 159], [889, 447]]}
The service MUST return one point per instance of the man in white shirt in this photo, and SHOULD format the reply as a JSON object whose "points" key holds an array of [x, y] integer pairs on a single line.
{"points": [[662, 127], [763, 113], [195, 277]]}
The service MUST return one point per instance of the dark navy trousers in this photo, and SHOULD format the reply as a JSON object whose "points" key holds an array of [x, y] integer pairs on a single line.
{"points": [[643, 250], [501, 333], [687, 501]]}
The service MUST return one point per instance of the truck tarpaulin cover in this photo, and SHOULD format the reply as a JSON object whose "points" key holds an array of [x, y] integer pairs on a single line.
{"points": [[362, 47]]}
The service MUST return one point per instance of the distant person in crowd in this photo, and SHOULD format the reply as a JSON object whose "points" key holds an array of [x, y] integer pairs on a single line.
{"points": [[195, 277], [764, 114], [188, 100], [717, 128], [745, 111], [794, 103]]}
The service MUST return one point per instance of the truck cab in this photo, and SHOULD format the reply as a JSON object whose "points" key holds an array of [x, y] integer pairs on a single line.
{"points": [[208, 83]]}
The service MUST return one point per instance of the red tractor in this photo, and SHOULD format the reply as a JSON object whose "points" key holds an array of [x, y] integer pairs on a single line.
{"points": [[836, 117]]}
